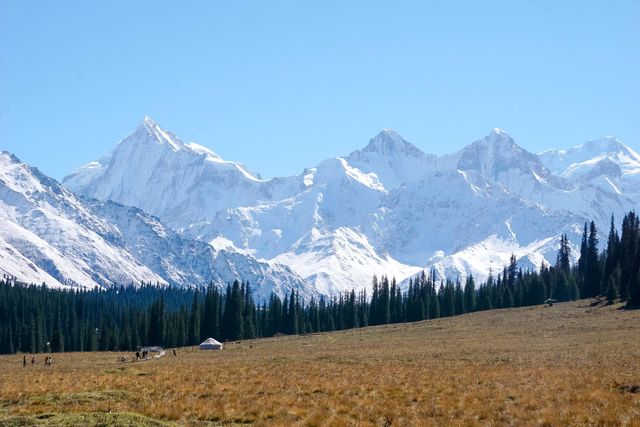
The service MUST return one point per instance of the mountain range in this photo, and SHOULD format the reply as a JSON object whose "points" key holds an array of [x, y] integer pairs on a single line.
{"points": [[158, 209]]}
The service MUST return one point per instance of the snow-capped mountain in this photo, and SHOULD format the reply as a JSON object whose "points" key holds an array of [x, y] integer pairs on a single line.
{"points": [[580, 159], [187, 181], [48, 234], [387, 208], [606, 163], [393, 160]]}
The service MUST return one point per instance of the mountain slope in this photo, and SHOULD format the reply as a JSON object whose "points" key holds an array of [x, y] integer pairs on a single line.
{"points": [[47, 234], [387, 208], [181, 175], [50, 227]]}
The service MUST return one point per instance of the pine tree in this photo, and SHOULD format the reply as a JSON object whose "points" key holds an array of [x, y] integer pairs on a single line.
{"points": [[57, 340], [470, 296], [249, 314], [434, 302], [564, 253], [211, 316], [512, 271], [459, 299], [232, 322], [611, 254], [373, 307], [194, 320], [561, 290], [449, 304], [612, 290], [629, 259], [592, 266], [582, 262], [507, 297], [156, 323]]}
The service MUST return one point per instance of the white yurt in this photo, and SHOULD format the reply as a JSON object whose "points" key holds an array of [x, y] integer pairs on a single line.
{"points": [[210, 344]]}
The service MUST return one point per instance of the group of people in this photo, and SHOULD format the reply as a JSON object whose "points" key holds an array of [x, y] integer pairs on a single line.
{"points": [[144, 355], [47, 361]]}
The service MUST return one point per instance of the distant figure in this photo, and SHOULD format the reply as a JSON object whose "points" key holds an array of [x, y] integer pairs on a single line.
{"points": [[174, 352], [50, 360], [33, 360], [46, 361], [24, 361], [137, 355]]}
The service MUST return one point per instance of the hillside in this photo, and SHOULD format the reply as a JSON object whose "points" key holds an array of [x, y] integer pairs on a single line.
{"points": [[570, 364]]}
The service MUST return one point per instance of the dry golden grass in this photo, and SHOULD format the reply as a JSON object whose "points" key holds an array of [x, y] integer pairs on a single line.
{"points": [[570, 364]]}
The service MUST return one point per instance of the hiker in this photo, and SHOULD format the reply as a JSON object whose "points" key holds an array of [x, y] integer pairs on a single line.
{"points": [[174, 352], [24, 361], [137, 355], [50, 360], [46, 361], [33, 360]]}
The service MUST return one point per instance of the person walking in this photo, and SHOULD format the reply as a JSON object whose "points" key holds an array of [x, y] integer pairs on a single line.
{"points": [[24, 361], [33, 360]]}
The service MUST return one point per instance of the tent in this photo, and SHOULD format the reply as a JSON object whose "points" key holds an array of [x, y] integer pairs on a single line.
{"points": [[210, 344]]}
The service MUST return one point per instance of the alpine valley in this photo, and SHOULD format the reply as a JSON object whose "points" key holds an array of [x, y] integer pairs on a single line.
{"points": [[156, 209]]}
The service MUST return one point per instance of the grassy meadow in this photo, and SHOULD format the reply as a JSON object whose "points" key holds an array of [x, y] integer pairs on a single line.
{"points": [[570, 364]]}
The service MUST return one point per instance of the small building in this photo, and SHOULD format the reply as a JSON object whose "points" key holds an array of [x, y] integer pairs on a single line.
{"points": [[210, 344]]}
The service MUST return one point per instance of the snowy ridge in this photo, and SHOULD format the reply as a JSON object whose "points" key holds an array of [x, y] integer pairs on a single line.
{"points": [[141, 160], [48, 234], [386, 208]]}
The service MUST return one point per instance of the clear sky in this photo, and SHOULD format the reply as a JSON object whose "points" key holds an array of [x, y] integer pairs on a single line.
{"points": [[283, 85]]}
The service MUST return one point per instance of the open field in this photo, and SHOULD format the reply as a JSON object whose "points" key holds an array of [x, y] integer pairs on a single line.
{"points": [[567, 364]]}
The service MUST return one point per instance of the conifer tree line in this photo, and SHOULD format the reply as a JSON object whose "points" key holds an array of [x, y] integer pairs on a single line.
{"points": [[37, 319]]}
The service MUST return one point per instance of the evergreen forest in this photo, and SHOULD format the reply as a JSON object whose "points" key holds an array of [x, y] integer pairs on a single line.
{"points": [[34, 318]]}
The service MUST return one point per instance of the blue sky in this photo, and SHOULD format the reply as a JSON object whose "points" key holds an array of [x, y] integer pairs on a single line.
{"points": [[282, 85]]}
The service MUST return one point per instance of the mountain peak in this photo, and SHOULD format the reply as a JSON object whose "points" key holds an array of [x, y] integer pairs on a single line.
{"points": [[147, 120], [10, 157], [494, 153], [585, 159], [148, 125], [388, 142], [498, 135], [150, 130], [606, 144]]}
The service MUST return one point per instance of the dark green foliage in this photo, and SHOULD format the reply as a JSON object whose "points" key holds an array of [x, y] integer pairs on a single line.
{"points": [[612, 291], [232, 320], [38, 319], [470, 298], [629, 260]]}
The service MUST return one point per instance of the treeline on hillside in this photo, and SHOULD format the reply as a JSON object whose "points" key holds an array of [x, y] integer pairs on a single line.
{"points": [[38, 319]]}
